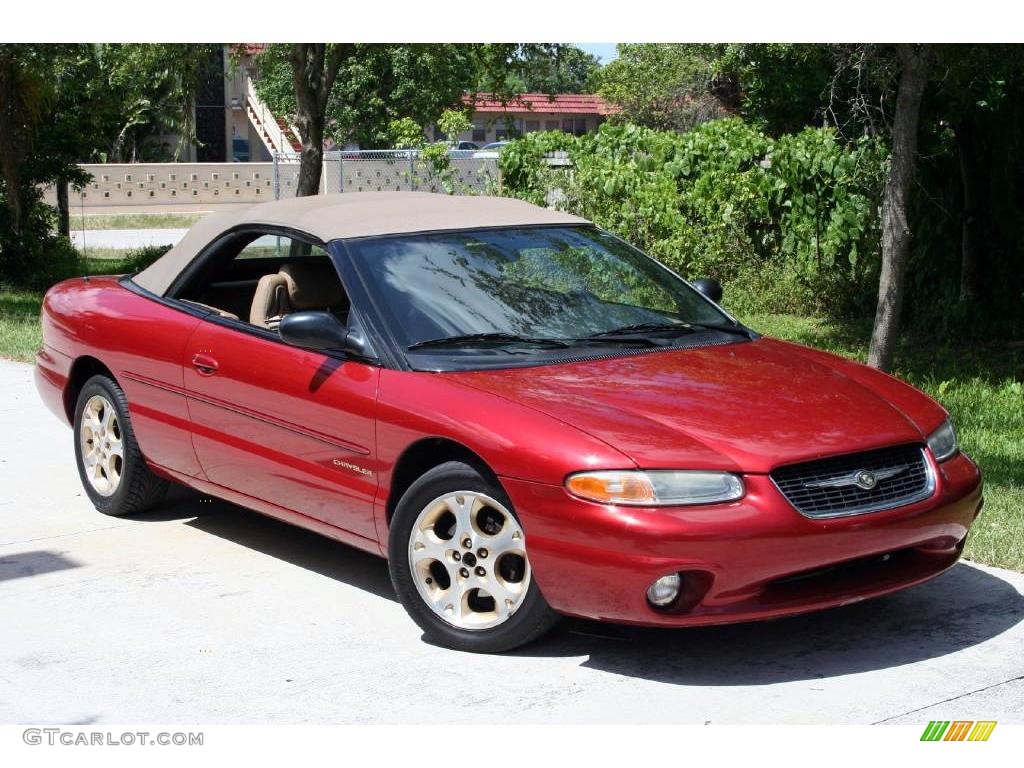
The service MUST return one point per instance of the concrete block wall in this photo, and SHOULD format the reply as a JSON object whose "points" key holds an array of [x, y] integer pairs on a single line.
{"points": [[206, 185], [175, 183], [469, 176]]}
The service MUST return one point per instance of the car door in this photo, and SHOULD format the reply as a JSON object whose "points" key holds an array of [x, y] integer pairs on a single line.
{"points": [[285, 425], [146, 358]]}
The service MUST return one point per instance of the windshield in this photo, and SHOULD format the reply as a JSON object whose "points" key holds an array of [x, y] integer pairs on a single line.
{"points": [[530, 284]]}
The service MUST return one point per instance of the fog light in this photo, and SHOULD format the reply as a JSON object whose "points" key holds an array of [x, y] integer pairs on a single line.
{"points": [[664, 590]]}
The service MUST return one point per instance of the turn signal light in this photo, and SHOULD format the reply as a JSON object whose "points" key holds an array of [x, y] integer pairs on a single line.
{"points": [[655, 488], [613, 487]]}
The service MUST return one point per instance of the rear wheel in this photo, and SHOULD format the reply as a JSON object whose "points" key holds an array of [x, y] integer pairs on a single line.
{"points": [[113, 472], [459, 563]]}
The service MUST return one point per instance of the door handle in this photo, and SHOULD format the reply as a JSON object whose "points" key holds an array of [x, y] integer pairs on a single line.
{"points": [[204, 364]]}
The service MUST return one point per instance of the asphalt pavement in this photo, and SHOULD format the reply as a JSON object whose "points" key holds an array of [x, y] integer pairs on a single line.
{"points": [[202, 612]]}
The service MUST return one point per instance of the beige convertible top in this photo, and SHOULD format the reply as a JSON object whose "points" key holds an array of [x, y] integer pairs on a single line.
{"points": [[356, 214]]}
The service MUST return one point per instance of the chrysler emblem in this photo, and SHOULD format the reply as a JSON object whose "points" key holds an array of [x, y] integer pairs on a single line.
{"points": [[864, 479]]}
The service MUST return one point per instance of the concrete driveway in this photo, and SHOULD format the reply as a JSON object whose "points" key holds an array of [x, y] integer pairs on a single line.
{"points": [[203, 612]]}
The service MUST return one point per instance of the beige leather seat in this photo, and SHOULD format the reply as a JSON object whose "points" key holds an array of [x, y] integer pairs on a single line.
{"points": [[297, 286]]}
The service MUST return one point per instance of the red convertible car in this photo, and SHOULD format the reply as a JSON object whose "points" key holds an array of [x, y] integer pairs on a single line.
{"points": [[527, 416]]}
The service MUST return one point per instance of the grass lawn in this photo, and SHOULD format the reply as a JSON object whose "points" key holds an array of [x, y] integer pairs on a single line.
{"points": [[20, 336], [19, 323], [107, 254], [981, 385], [134, 221]]}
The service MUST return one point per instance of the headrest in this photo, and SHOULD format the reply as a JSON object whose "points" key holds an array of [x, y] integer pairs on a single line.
{"points": [[312, 285]]}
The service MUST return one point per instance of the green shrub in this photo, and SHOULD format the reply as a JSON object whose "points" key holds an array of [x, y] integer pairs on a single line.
{"points": [[132, 261], [140, 258], [524, 173], [406, 133], [57, 259], [61, 260]]}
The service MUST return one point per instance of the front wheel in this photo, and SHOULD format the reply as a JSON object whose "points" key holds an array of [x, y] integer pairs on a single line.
{"points": [[458, 561]]}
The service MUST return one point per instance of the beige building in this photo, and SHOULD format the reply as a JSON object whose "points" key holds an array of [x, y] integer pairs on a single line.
{"points": [[232, 122]]}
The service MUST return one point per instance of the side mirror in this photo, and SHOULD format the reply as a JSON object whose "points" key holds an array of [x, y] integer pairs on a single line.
{"points": [[320, 330], [710, 288]]}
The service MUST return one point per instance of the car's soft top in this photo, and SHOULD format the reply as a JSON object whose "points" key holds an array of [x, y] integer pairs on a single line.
{"points": [[362, 214]]}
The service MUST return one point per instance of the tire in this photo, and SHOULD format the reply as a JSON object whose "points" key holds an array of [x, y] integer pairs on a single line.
{"points": [[118, 484], [426, 548]]}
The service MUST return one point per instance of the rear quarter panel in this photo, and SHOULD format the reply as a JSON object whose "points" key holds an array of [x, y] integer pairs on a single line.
{"points": [[142, 342]]}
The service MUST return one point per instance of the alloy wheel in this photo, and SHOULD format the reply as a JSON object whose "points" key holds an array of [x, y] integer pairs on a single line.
{"points": [[467, 555], [102, 446]]}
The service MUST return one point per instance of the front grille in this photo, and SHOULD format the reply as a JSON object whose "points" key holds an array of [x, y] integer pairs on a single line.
{"points": [[828, 487]]}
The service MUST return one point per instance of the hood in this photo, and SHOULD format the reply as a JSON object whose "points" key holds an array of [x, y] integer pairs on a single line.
{"points": [[748, 407]]}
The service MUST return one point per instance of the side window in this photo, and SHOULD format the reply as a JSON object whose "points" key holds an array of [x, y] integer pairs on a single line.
{"points": [[259, 279], [279, 247]]}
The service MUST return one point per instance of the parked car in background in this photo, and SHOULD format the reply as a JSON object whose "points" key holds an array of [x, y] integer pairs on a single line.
{"points": [[491, 151], [463, 150], [526, 415]]}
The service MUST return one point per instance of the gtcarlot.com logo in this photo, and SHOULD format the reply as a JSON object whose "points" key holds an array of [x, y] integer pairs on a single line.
{"points": [[59, 736], [958, 730]]}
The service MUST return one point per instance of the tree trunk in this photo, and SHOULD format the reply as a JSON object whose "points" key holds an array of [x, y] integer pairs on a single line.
{"points": [[311, 158], [63, 208], [895, 201], [972, 242], [314, 68], [11, 121]]}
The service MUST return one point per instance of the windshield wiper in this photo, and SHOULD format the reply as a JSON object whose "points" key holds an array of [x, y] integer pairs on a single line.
{"points": [[641, 328], [738, 329], [496, 337], [627, 330], [605, 339]]}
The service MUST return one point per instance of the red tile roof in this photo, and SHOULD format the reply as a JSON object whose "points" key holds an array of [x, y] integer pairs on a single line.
{"points": [[542, 103], [249, 49]]}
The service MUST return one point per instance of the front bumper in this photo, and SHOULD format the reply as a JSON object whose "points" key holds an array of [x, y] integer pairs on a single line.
{"points": [[753, 559]]}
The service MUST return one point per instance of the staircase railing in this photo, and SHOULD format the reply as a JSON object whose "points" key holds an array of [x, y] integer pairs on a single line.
{"points": [[274, 138]]}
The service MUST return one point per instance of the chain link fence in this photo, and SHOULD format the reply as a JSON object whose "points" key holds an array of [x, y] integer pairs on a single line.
{"points": [[384, 170]]}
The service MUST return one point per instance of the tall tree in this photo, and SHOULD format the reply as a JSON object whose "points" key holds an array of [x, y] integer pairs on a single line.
{"points": [[974, 102], [914, 60], [377, 84], [81, 113], [61, 105], [25, 93], [314, 69], [866, 89], [39, 144], [669, 86], [154, 88], [786, 86], [561, 69]]}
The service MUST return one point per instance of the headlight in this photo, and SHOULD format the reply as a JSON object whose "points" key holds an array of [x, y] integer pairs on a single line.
{"points": [[942, 442], [658, 488]]}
